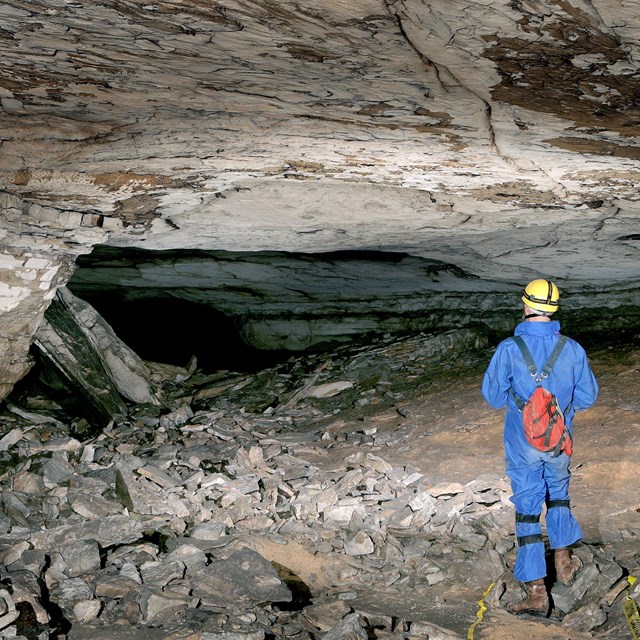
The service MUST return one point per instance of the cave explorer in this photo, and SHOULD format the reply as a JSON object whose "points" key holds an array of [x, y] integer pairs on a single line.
{"points": [[536, 477]]}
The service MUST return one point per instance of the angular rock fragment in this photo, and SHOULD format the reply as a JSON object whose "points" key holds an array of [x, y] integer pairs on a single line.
{"points": [[69, 592], [160, 574], [154, 603], [93, 507], [8, 612], [208, 531], [193, 558], [244, 579], [81, 557], [327, 389], [326, 614], [62, 340], [161, 478], [138, 496], [433, 631], [349, 628], [85, 611], [13, 553], [257, 634], [105, 531], [114, 585], [586, 618], [176, 418], [359, 545], [566, 597]]}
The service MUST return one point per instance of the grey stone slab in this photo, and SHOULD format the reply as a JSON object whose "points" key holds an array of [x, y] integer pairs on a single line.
{"points": [[160, 574], [359, 545], [193, 558], [62, 340], [80, 632], [209, 531], [86, 610], [158, 476], [243, 579], [81, 557], [349, 628], [27, 482], [142, 496], [114, 585], [57, 469], [255, 634], [106, 532], [421, 629], [565, 598], [156, 602], [67, 593], [93, 507], [326, 614], [586, 618]]}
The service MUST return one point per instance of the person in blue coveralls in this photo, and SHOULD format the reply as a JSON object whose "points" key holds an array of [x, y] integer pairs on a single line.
{"points": [[539, 479]]}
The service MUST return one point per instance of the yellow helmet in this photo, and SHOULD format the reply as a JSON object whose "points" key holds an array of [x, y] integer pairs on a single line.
{"points": [[541, 295]]}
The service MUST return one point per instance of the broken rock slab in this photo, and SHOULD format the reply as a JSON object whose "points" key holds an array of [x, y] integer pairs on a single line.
{"points": [[586, 618], [326, 614], [359, 545], [156, 602], [564, 597], [81, 557], [432, 631], [244, 579], [106, 532], [8, 609], [349, 628], [109, 584]]}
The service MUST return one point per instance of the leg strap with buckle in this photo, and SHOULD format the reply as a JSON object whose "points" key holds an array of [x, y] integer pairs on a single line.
{"points": [[552, 504], [527, 518], [524, 540]]}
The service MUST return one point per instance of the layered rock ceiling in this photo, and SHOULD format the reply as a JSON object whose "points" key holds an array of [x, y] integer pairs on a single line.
{"points": [[496, 139]]}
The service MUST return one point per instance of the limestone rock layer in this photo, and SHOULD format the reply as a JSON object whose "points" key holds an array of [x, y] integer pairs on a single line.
{"points": [[500, 138]]}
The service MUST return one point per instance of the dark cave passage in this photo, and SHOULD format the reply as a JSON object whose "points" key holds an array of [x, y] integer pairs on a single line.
{"points": [[243, 311], [172, 331]]}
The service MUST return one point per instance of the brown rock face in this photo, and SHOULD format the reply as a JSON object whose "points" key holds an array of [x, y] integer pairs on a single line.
{"points": [[500, 137]]}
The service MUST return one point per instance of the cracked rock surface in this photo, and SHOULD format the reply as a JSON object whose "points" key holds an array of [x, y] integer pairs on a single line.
{"points": [[498, 137]]}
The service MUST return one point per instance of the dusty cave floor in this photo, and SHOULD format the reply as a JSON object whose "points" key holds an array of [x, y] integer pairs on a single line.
{"points": [[450, 435], [436, 422]]}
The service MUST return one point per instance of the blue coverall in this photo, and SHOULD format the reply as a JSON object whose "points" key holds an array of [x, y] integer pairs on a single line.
{"points": [[536, 477]]}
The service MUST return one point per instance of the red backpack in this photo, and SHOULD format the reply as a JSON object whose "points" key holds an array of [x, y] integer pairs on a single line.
{"points": [[542, 417]]}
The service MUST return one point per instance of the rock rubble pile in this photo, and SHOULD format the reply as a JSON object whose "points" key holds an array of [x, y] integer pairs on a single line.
{"points": [[189, 520], [143, 522]]}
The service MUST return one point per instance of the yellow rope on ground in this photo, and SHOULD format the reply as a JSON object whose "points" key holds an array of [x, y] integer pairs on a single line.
{"points": [[480, 613], [630, 609]]}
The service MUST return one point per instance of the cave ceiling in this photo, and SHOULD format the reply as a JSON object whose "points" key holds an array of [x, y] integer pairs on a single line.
{"points": [[497, 136]]}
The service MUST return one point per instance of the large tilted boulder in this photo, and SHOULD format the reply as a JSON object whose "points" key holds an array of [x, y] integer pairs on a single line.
{"points": [[81, 346]]}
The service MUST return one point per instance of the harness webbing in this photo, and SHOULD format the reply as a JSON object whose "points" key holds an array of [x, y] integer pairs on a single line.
{"points": [[531, 365]]}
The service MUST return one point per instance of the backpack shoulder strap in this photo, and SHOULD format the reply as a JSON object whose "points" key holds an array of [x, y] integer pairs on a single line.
{"points": [[548, 365], [526, 354], [553, 358], [531, 366]]}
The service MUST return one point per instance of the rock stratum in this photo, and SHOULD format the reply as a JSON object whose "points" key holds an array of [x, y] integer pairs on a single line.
{"points": [[499, 139]]}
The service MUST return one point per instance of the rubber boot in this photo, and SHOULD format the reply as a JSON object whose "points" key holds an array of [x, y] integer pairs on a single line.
{"points": [[536, 602], [567, 566]]}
